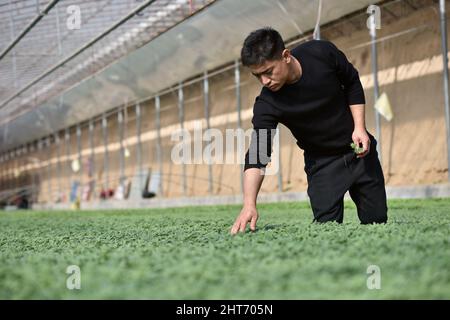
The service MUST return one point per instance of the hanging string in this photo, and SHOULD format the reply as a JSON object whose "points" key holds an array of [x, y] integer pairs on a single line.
{"points": [[316, 33]]}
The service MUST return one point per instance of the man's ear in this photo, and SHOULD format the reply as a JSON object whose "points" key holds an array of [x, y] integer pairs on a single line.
{"points": [[286, 55]]}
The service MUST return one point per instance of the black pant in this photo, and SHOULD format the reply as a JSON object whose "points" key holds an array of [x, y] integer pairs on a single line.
{"points": [[330, 177]]}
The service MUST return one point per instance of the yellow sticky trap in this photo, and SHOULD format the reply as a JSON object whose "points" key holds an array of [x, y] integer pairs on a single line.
{"points": [[383, 106]]}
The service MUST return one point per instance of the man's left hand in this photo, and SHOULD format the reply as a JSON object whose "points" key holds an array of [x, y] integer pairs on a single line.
{"points": [[361, 136]]}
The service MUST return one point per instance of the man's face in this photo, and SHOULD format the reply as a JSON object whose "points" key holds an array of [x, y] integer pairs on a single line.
{"points": [[273, 73]]}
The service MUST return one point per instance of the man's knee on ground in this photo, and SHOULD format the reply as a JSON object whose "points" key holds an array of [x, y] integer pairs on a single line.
{"points": [[324, 218], [326, 221], [375, 219]]}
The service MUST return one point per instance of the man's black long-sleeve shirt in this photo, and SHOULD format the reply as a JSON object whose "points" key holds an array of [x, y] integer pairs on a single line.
{"points": [[315, 108]]}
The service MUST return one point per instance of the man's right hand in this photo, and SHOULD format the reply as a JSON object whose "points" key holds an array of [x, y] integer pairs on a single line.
{"points": [[248, 214]]}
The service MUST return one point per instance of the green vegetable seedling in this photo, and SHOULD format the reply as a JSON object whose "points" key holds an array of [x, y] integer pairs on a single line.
{"points": [[356, 148]]}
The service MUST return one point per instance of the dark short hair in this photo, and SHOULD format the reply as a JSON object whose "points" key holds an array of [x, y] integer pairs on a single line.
{"points": [[262, 45]]}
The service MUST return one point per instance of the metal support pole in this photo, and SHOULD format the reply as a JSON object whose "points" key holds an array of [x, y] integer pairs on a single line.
{"points": [[373, 35], [58, 159], [279, 174], [12, 170], [5, 173], [49, 169], [139, 146], [80, 171], [8, 171], [126, 152], [121, 150], [30, 171], [443, 20], [181, 118], [3, 164], [92, 157], [7, 177], [21, 167], [18, 166], [4, 181], [206, 108], [158, 142], [5, 170], [237, 82], [40, 169], [106, 158], [69, 161], [16, 169], [2, 173], [28, 176]]}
